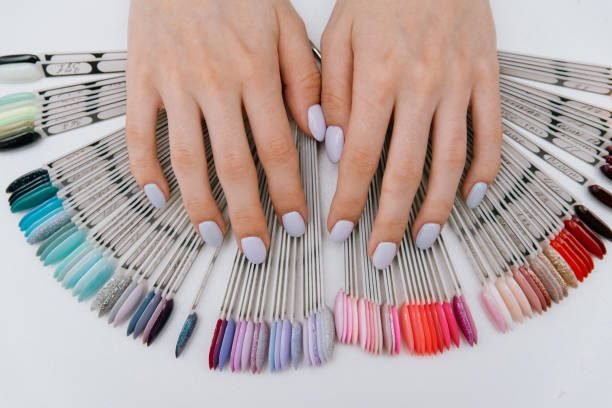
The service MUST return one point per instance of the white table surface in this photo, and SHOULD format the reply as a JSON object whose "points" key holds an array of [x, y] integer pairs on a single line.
{"points": [[55, 353]]}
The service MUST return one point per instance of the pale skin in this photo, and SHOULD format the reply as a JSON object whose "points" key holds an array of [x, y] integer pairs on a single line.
{"points": [[420, 64]]}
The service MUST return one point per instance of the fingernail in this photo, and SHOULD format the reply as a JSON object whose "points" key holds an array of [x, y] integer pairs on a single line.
{"points": [[384, 254], [341, 230], [316, 122], [254, 249], [476, 194], [334, 143], [294, 224], [427, 235], [211, 233], [155, 195]]}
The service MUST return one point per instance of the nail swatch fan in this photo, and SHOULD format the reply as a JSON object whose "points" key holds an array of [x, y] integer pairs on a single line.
{"points": [[530, 241]]}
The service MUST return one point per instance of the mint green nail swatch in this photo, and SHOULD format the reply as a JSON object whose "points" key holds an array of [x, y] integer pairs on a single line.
{"points": [[66, 247]]}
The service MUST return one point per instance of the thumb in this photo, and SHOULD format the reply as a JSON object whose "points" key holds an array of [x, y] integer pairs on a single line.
{"points": [[300, 75]]}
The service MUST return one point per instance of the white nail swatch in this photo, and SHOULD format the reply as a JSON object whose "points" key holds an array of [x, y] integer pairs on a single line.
{"points": [[334, 143], [316, 122], [211, 233], [341, 230], [155, 195], [254, 249], [384, 254], [427, 235], [20, 72], [294, 224], [477, 193]]}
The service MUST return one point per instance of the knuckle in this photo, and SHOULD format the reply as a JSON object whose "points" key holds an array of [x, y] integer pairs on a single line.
{"points": [[393, 225], [183, 157], [232, 166], [245, 218], [333, 104], [308, 81], [142, 169], [382, 81], [194, 206], [455, 158], [487, 69], [361, 160], [135, 131], [278, 150], [400, 174], [350, 205]]}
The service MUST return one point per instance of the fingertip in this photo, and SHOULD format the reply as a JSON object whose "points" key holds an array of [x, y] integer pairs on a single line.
{"points": [[155, 195], [334, 143], [254, 249], [427, 234], [294, 224], [476, 194], [316, 122], [341, 230], [384, 254], [211, 233]]}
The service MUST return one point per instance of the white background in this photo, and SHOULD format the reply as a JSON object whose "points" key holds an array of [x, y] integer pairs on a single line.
{"points": [[55, 353]]}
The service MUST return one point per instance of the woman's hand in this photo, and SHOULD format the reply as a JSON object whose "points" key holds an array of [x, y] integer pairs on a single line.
{"points": [[422, 63], [212, 58]]}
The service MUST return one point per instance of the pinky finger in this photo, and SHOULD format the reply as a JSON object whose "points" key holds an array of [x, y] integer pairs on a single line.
{"points": [[143, 104], [487, 138]]}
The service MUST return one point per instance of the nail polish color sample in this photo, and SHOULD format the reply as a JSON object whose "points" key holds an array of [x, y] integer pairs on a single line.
{"points": [[606, 169], [296, 344], [427, 235], [601, 194], [341, 230], [254, 249], [215, 344], [316, 122], [384, 254], [334, 143], [186, 332], [155, 195], [476, 194], [247, 345], [20, 72], [129, 304], [26, 178], [593, 221], [161, 321], [211, 233], [294, 224]]}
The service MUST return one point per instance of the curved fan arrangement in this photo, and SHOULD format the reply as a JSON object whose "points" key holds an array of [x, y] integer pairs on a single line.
{"points": [[530, 241]]}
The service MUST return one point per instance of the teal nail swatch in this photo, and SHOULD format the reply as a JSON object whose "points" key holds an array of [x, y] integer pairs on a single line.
{"points": [[41, 221], [94, 279], [34, 197], [54, 240], [76, 273], [39, 211], [66, 247], [47, 228], [71, 260]]}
